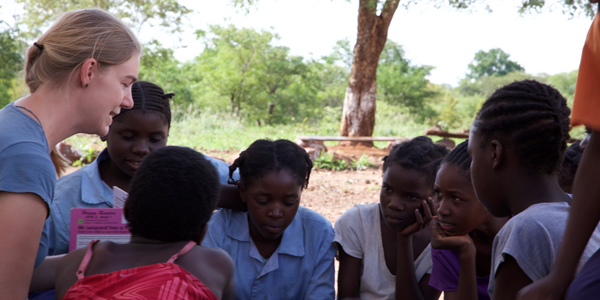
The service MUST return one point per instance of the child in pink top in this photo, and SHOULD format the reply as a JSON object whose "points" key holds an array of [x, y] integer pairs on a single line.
{"points": [[171, 199]]}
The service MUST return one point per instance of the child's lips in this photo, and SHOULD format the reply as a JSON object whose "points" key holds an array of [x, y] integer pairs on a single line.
{"points": [[134, 164], [394, 219], [273, 228], [445, 226]]}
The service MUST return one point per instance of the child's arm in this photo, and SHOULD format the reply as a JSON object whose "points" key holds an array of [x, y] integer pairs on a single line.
{"points": [[22, 217], [583, 219], [407, 286], [467, 278], [43, 275], [510, 278], [348, 276], [230, 198]]}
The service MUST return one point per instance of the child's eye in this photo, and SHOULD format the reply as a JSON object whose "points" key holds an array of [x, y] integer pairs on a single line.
{"points": [[412, 198], [127, 136], [456, 199], [155, 139], [386, 189], [291, 203], [261, 201], [126, 85]]}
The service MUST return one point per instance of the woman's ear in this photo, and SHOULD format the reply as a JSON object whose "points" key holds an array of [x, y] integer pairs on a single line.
{"points": [[496, 153], [88, 71]]}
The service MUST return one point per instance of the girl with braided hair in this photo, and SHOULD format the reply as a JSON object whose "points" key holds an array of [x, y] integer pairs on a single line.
{"points": [[462, 232], [517, 142], [135, 133], [384, 247], [582, 225], [281, 250]]}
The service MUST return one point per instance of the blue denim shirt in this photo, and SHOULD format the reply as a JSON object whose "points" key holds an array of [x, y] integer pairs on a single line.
{"points": [[84, 189], [301, 267]]}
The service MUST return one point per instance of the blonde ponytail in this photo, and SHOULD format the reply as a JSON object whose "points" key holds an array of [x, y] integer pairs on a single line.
{"points": [[73, 38], [60, 162]]}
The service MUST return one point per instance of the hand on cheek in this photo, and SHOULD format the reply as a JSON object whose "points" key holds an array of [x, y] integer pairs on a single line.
{"points": [[440, 240], [421, 221]]}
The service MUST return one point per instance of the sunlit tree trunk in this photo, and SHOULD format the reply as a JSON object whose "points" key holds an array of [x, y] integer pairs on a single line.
{"points": [[358, 117]]}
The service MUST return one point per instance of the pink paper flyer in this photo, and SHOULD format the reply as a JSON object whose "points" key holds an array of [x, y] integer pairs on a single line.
{"points": [[105, 224]]}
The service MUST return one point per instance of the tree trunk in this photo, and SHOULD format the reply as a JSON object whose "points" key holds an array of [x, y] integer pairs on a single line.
{"points": [[358, 116]]}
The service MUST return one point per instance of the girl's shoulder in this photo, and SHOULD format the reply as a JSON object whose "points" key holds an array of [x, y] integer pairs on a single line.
{"points": [[359, 214], [212, 266]]}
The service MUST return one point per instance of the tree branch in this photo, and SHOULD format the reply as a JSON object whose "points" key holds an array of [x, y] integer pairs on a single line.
{"points": [[387, 13]]}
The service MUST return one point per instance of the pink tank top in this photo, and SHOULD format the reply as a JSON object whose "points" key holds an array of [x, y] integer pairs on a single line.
{"points": [[158, 281]]}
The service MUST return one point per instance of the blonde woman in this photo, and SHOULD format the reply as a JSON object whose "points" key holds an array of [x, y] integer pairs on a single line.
{"points": [[79, 74]]}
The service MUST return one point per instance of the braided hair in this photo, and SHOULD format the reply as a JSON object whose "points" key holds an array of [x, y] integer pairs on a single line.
{"points": [[569, 165], [460, 157], [264, 156], [531, 116], [419, 154], [149, 97]]}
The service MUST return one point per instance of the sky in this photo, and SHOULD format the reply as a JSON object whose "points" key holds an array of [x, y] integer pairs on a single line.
{"points": [[445, 38]]}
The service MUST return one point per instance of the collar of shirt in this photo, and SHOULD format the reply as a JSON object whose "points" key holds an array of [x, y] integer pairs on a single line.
{"points": [[292, 242], [93, 189]]}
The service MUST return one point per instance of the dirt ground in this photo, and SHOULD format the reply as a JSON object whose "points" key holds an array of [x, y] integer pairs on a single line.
{"points": [[331, 193]]}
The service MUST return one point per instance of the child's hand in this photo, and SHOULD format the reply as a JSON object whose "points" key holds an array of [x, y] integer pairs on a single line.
{"points": [[421, 222], [439, 240]]}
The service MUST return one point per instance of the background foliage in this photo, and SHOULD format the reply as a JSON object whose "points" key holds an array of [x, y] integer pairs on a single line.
{"points": [[245, 85]]}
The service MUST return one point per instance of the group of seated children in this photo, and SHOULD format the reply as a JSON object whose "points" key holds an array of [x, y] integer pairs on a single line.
{"points": [[479, 222]]}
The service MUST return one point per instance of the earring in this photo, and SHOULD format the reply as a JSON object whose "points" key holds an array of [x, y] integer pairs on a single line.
{"points": [[86, 85]]}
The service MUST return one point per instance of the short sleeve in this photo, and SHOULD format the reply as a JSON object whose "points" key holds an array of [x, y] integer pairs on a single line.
{"points": [[27, 168], [528, 242], [217, 231], [223, 169], [586, 105], [445, 270], [349, 233]]}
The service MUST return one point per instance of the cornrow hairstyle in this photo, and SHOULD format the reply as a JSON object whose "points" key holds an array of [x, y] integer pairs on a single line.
{"points": [[264, 156], [460, 157], [149, 97], [419, 154], [173, 195], [569, 165], [532, 117]]}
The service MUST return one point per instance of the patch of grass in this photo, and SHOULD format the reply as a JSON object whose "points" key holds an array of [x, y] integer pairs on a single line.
{"points": [[206, 129], [327, 161]]}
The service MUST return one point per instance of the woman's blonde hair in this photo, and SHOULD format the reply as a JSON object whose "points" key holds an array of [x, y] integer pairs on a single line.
{"points": [[76, 36]]}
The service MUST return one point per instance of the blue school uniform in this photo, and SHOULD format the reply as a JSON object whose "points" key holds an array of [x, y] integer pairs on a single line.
{"points": [[301, 267], [84, 189], [25, 163]]}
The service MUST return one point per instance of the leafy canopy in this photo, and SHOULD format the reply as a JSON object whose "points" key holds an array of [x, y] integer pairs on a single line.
{"points": [[492, 63], [168, 13]]}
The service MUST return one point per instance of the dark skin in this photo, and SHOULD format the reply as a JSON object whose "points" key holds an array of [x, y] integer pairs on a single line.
{"points": [[505, 187], [216, 270], [272, 202], [583, 219], [404, 236], [131, 137], [463, 225]]}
